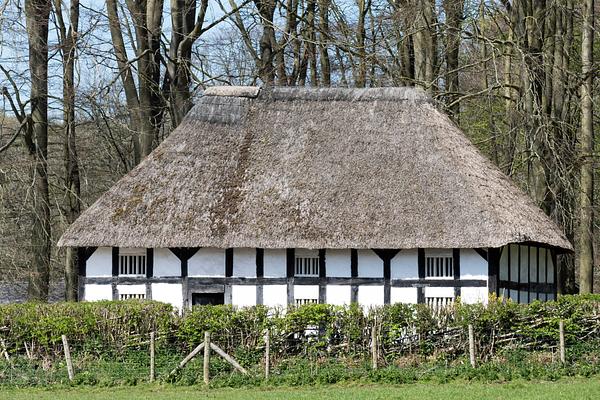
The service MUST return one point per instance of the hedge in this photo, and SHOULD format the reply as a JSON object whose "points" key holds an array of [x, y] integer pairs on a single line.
{"points": [[319, 330]]}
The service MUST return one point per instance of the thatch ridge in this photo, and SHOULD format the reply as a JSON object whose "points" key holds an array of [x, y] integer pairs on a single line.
{"points": [[315, 168]]}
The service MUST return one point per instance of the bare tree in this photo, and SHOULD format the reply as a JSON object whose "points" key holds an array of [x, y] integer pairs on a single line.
{"points": [[586, 139], [68, 36], [37, 17]]}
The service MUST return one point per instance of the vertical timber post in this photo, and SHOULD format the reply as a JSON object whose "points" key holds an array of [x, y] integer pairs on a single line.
{"points": [[68, 358], [206, 356], [267, 354], [374, 354], [471, 346], [561, 333], [151, 356]]}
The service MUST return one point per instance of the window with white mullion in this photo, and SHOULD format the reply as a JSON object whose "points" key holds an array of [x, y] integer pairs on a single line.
{"points": [[307, 266], [439, 267], [132, 262], [302, 302], [130, 296]]}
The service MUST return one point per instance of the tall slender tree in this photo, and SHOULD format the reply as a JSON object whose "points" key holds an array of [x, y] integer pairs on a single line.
{"points": [[37, 16], [586, 142], [68, 37]]}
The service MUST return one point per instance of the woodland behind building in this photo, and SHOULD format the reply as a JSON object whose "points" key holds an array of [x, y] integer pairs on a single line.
{"points": [[90, 88]]}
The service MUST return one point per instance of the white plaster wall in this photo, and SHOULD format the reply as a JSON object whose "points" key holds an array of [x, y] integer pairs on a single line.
{"points": [[439, 291], [131, 289], [550, 267], [275, 263], [100, 263], [403, 295], [166, 263], [337, 263], [370, 296], [524, 278], [369, 264], [207, 262], [95, 292], [243, 295], [244, 262], [275, 295], [472, 265], [170, 293], [533, 263], [306, 292], [338, 295], [514, 263], [405, 265], [472, 295], [543, 265]]}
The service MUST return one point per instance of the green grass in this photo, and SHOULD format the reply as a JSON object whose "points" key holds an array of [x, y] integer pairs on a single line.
{"points": [[564, 389]]}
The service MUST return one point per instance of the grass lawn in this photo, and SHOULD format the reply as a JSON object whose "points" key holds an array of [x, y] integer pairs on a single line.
{"points": [[564, 389]]}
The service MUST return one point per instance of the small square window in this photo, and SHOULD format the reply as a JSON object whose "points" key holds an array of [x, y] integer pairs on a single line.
{"points": [[439, 267], [132, 262], [306, 263]]}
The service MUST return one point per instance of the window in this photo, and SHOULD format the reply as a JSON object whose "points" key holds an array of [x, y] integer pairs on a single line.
{"points": [[129, 296], [302, 302], [203, 299], [132, 262], [437, 303], [439, 267], [307, 263]]}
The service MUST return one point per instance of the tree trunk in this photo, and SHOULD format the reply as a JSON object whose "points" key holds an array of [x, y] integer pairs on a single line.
{"points": [[586, 141], [266, 72], [68, 41], [323, 42], [37, 16], [131, 94], [454, 17], [361, 74]]}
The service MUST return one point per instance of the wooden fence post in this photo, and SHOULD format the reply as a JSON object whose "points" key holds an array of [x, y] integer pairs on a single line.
{"points": [[267, 354], [206, 356], [68, 358], [471, 346], [4, 351], [151, 356], [561, 332], [374, 354]]}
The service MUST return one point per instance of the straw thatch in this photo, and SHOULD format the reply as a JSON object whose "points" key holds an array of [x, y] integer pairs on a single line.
{"points": [[314, 168]]}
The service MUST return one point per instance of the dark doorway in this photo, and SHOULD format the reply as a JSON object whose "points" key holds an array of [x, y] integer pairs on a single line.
{"points": [[203, 299]]}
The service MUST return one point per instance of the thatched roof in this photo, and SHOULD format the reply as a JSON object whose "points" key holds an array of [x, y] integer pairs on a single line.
{"points": [[314, 168]]}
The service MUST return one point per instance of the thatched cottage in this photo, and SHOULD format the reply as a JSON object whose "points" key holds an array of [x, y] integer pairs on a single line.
{"points": [[292, 196]]}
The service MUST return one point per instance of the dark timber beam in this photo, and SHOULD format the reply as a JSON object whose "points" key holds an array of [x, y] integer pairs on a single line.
{"points": [[421, 267], [456, 268], [184, 254], [493, 269], [386, 256], [297, 281], [228, 262], [115, 261], [260, 272], [483, 253], [290, 272], [322, 277], [149, 263], [354, 274]]}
